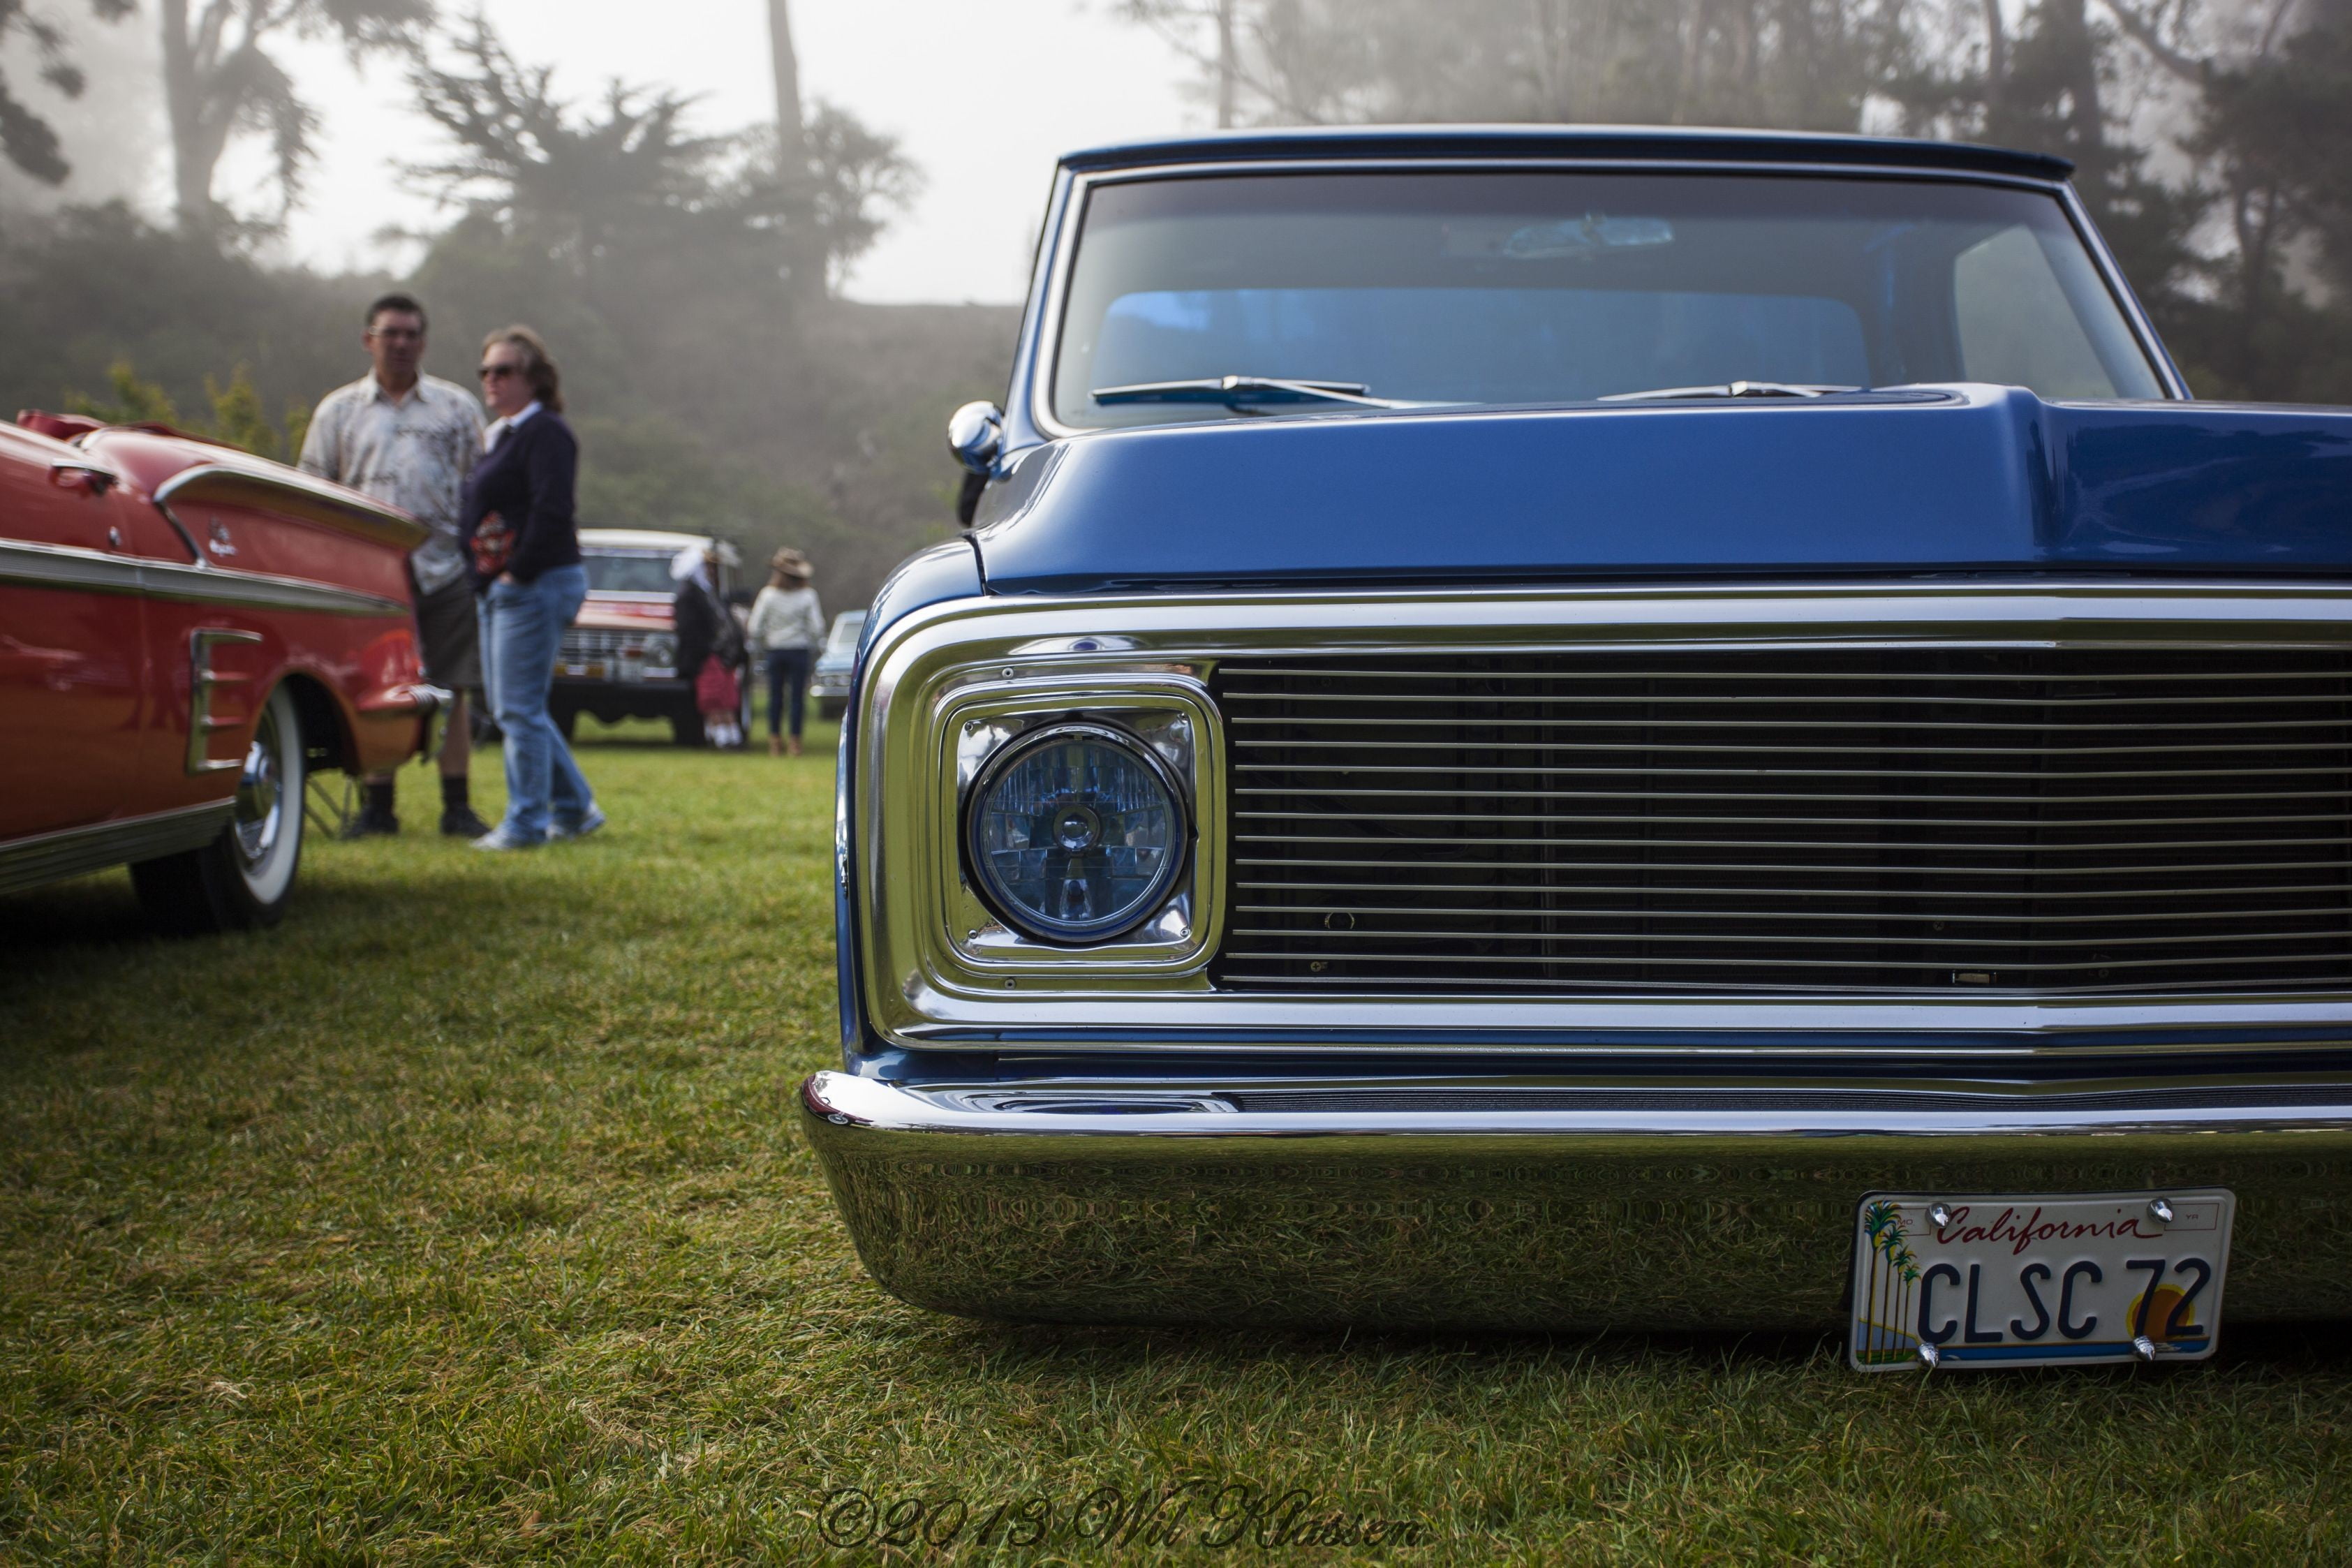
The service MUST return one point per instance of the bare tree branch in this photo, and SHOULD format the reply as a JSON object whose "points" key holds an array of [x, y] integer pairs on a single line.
{"points": [[2149, 37]]}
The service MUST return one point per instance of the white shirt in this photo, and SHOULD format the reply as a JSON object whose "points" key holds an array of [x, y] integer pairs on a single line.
{"points": [[498, 428], [786, 617], [413, 452]]}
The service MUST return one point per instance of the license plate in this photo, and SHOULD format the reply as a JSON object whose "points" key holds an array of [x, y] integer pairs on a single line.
{"points": [[1945, 1280]]}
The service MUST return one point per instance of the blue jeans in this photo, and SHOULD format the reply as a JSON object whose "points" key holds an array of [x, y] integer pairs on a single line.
{"points": [[787, 667], [522, 625]]}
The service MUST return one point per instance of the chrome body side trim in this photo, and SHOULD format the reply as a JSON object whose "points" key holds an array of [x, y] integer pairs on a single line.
{"points": [[1174, 1207], [94, 570], [1040, 350], [202, 678], [69, 852], [292, 493], [25, 566], [1050, 653], [417, 697]]}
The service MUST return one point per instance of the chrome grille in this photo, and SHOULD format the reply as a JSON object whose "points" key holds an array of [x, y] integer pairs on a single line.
{"points": [[601, 644], [1902, 820], [595, 642]]}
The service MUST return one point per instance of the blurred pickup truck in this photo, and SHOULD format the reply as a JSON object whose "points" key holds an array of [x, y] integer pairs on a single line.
{"points": [[619, 659]]}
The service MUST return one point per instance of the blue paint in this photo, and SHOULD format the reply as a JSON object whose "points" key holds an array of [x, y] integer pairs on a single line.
{"points": [[1578, 142], [930, 576], [1979, 479]]}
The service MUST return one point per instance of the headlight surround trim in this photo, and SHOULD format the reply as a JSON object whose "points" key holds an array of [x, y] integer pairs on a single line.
{"points": [[1019, 750]]}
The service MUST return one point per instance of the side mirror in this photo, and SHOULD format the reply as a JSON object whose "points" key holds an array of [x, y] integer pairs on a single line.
{"points": [[975, 434]]}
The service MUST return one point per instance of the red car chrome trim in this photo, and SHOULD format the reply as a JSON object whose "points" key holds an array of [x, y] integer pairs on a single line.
{"points": [[293, 494], [69, 852], [92, 571]]}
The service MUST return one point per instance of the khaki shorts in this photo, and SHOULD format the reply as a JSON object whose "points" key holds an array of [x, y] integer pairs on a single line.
{"points": [[451, 637]]}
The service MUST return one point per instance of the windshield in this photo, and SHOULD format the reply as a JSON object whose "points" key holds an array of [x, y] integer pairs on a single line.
{"points": [[629, 571], [1540, 286]]}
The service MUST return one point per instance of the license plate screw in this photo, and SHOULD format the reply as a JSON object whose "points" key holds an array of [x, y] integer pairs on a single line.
{"points": [[2144, 1347], [2161, 1210], [1929, 1355], [1941, 1214]]}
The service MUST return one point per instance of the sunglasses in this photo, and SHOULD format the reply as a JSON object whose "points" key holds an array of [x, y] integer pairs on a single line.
{"points": [[500, 372]]}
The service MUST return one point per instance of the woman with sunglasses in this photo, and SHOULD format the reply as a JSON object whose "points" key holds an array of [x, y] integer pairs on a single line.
{"points": [[524, 546]]}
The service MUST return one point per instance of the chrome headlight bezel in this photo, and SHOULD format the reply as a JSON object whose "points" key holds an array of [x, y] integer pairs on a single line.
{"points": [[1169, 716], [933, 712]]}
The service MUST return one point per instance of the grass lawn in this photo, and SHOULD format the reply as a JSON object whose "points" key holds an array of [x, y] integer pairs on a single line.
{"points": [[461, 1220]]}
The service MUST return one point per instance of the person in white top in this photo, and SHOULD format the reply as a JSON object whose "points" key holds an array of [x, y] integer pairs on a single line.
{"points": [[787, 628]]}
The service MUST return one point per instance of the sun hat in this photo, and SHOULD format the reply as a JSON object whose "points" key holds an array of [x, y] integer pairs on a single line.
{"points": [[791, 563]]}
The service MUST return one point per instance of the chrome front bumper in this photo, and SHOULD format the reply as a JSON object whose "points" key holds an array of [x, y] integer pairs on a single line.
{"points": [[1525, 1205]]}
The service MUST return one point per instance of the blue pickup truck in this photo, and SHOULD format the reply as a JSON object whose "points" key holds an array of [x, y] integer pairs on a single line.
{"points": [[1559, 729]]}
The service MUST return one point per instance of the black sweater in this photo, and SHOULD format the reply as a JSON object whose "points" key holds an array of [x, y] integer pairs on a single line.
{"points": [[528, 480], [704, 627]]}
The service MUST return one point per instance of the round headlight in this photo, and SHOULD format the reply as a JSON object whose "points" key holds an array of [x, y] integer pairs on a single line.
{"points": [[1077, 833]]}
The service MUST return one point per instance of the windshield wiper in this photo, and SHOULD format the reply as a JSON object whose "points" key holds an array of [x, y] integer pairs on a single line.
{"points": [[1247, 391], [1730, 389]]}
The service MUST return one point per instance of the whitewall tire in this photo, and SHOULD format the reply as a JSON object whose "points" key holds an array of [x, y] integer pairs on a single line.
{"points": [[245, 877]]}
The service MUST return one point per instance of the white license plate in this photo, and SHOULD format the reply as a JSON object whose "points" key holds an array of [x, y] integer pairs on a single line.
{"points": [[1948, 1280]]}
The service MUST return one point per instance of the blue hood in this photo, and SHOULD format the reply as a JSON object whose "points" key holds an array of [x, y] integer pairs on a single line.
{"points": [[1972, 479]]}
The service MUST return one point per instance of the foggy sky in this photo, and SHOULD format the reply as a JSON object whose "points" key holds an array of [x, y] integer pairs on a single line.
{"points": [[983, 97]]}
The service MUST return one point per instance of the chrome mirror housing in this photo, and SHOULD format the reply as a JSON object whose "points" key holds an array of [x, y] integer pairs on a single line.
{"points": [[975, 434]]}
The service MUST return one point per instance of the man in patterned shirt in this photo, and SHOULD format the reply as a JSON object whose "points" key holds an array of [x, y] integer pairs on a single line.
{"points": [[411, 440]]}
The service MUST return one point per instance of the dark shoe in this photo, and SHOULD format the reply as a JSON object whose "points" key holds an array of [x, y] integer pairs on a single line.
{"points": [[460, 822], [370, 824]]}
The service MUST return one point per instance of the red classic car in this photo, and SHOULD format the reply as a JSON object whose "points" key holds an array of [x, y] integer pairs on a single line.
{"points": [[185, 633]]}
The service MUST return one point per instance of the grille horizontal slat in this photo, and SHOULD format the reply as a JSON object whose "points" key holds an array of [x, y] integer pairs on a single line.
{"points": [[2123, 920], [1586, 819], [1803, 939], [1404, 840], [1979, 754], [1237, 679], [1650, 893], [2143, 819], [1875, 872]]}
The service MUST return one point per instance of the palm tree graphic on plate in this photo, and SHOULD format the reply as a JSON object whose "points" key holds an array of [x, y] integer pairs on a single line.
{"points": [[1887, 1331]]}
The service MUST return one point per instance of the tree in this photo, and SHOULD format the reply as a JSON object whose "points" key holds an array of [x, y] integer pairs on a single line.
{"points": [[822, 180], [1790, 62], [26, 139], [576, 186], [1180, 22], [785, 64], [2243, 252], [605, 192], [237, 419], [219, 79]]}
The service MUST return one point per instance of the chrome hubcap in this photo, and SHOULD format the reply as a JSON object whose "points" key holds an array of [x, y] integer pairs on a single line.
{"points": [[259, 800]]}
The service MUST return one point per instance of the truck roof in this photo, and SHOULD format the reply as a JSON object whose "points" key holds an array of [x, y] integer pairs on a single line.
{"points": [[638, 539], [1647, 143]]}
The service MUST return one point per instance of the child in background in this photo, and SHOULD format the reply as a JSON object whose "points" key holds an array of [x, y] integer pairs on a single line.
{"points": [[709, 646]]}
